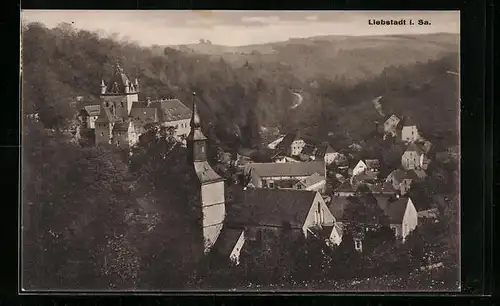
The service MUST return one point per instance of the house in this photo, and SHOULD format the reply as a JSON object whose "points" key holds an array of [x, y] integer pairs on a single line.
{"points": [[428, 215], [308, 152], [391, 124], [327, 153], [264, 175], [414, 158], [356, 215], [331, 234], [265, 213], [291, 145], [173, 113], [402, 214], [385, 188], [314, 182], [88, 115], [367, 165], [402, 180], [345, 189], [409, 132], [273, 144], [229, 244]]}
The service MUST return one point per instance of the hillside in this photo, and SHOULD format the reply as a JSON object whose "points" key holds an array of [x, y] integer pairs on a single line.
{"points": [[353, 57], [60, 64]]}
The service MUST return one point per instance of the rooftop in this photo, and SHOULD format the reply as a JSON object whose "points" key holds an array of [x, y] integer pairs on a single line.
{"points": [[172, 110], [205, 173], [273, 207], [287, 169]]}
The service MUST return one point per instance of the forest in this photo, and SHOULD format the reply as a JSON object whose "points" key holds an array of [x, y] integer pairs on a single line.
{"points": [[93, 219]]}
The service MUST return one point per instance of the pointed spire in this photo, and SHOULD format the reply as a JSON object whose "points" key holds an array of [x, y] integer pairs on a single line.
{"points": [[195, 117]]}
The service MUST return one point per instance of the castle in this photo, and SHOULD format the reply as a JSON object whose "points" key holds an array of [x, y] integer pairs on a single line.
{"points": [[121, 117]]}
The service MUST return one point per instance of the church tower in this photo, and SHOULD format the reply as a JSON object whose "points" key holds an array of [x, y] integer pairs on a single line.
{"points": [[212, 196], [119, 93]]}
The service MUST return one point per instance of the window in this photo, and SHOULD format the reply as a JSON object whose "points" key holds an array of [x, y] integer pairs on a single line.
{"points": [[299, 186], [271, 184], [259, 235], [202, 149], [357, 245], [106, 104]]}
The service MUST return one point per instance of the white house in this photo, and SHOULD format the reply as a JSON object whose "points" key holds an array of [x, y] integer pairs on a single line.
{"points": [[410, 133], [367, 165], [264, 175]]}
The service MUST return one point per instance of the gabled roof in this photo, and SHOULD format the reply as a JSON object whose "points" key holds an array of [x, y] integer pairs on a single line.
{"points": [[399, 175], [226, 241], [313, 179], [92, 110], [366, 176], [387, 117], [287, 140], [287, 168], [323, 149], [372, 163], [394, 210], [273, 207], [205, 173], [172, 110], [105, 116], [409, 121]]}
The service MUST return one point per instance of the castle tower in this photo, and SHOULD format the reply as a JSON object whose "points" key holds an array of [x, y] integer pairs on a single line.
{"points": [[119, 93], [212, 196]]}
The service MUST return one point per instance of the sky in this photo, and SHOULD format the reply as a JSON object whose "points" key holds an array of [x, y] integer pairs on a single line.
{"points": [[237, 28]]}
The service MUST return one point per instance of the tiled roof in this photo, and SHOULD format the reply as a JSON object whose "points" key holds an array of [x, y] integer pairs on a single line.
{"points": [[287, 140], [428, 213], [394, 210], [92, 110], [205, 173], [308, 150], [286, 183], [366, 176], [273, 207], [226, 241], [288, 168], [385, 187], [313, 179], [372, 163], [415, 148], [172, 110], [143, 115], [337, 206], [409, 121]]}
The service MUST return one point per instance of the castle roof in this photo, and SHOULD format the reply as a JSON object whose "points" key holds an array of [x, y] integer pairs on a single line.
{"points": [[287, 169], [171, 110], [118, 82], [273, 207], [206, 174], [144, 115]]}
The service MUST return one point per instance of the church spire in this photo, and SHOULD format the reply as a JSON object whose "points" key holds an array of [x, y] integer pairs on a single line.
{"points": [[195, 117]]}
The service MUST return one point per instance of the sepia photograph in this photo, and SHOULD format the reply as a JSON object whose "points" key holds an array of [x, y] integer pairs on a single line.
{"points": [[240, 151]]}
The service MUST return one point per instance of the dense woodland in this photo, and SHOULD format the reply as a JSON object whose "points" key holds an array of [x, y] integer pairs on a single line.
{"points": [[93, 219]]}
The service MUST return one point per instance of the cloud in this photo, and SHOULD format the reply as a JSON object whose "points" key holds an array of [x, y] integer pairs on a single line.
{"points": [[202, 22], [312, 18]]}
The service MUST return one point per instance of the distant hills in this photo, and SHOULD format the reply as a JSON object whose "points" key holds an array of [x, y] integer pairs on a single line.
{"points": [[338, 77], [351, 57]]}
